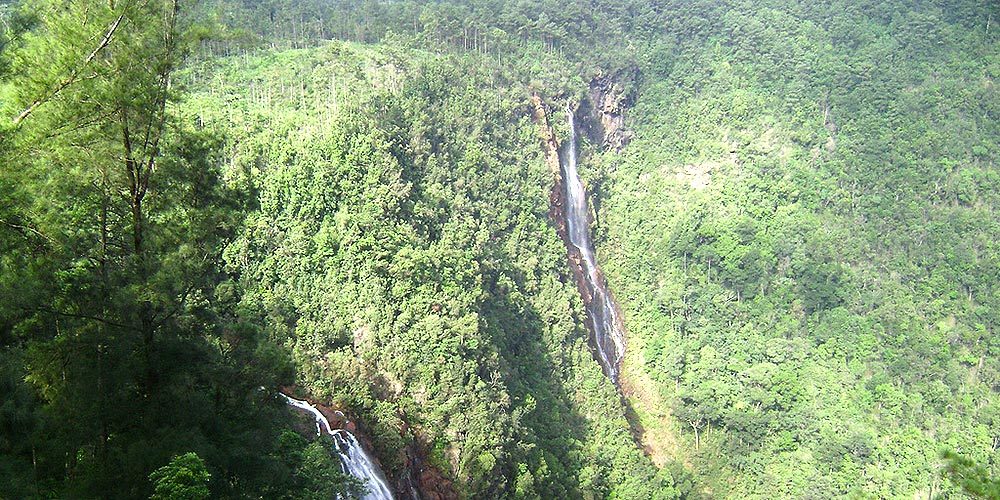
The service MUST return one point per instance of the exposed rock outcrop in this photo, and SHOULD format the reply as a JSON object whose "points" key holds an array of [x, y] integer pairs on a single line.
{"points": [[602, 113], [419, 480], [550, 145]]}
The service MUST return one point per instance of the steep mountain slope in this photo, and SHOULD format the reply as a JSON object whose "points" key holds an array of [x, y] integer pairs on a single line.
{"points": [[800, 231], [402, 249], [803, 237], [792, 206]]}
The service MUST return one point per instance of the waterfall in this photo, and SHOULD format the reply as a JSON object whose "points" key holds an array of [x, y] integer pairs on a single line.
{"points": [[353, 458], [601, 310]]}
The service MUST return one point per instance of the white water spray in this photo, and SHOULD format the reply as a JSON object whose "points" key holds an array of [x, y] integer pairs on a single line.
{"points": [[353, 458]]}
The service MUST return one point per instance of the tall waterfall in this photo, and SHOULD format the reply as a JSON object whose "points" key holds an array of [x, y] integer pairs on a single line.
{"points": [[601, 311], [353, 458]]}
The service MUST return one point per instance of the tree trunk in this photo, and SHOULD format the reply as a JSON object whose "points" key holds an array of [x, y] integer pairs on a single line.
{"points": [[105, 309], [697, 437], [138, 182]]}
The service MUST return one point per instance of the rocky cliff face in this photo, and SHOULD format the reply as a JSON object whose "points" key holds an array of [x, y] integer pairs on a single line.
{"points": [[550, 146], [420, 480], [602, 113]]}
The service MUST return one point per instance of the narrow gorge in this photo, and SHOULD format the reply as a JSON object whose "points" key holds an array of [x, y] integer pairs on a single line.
{"points": [[606, 326], [572, 214]]}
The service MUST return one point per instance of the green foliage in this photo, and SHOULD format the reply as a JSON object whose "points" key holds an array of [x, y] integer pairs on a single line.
{"points": [[973, 478], [122, 343], [184, 478], [782, 231], [402, 250], [802, 236], [316, 469], [800, 246]]}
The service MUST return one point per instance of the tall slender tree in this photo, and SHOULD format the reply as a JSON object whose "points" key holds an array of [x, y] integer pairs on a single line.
{"points": [[125, 337]]}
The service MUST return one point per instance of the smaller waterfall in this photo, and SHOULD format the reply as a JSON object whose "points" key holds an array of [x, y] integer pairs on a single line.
{"points": [[353, 458], [322, 424], [358, 464]]}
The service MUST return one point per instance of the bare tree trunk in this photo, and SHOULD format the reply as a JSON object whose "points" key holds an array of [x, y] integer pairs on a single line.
{"points": [[138, 180], [105, 303]]}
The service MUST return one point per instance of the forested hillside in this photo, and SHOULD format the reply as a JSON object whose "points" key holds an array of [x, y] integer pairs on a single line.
{"points": [[205, 203], [401, 249], [804, 236]]}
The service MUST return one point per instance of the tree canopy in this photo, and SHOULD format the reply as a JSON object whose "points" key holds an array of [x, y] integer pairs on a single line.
{"points": [[205, 202]]}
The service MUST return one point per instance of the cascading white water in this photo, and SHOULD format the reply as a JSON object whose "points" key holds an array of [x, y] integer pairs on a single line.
{"points": [[608, 335], [353, 458], [358, 464]]}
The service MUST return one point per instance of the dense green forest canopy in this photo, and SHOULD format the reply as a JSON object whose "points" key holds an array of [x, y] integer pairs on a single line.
{"points": [[202, 202]]}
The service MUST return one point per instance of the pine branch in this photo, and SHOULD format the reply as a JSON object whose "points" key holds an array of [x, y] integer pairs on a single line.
{"points": [[75, 73], [84, 316]]}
